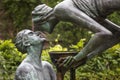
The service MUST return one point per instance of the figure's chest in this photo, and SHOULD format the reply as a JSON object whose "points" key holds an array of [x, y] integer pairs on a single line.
{"points": [[42, 74], [39, 74]]}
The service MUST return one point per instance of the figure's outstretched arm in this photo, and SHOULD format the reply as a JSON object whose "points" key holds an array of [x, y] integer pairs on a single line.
{"points": [[78, 17], [108, 44], [115, 39]]}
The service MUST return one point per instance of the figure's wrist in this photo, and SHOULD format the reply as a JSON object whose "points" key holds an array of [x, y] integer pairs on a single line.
{"points": [[79, 56]]}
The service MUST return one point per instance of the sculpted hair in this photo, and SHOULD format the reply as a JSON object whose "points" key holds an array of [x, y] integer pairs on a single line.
{"points": [[40, 13], [19, 40]]}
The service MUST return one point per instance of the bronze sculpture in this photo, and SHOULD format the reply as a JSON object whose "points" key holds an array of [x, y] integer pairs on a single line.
{"points": [[32, 68], [90, 14]]}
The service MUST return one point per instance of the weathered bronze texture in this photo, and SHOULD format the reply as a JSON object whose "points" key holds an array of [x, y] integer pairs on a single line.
{"points": [[32, 67], [90, 14], [58, 55]]}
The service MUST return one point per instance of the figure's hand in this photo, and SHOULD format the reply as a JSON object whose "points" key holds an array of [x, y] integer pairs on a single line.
{"points": [[41, 13], [66, 63], [69, 62]]}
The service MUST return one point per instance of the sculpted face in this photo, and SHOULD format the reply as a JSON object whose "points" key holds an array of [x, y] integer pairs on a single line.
{"points": [[44, 27], [34, 37], [38, 17], [26, 38]]}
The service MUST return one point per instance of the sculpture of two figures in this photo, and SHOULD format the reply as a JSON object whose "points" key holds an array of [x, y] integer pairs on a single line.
{"points": [[90, 14]]}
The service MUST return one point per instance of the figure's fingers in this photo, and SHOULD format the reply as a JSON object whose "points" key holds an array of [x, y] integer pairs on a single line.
{"points": [[68, 61], [60, 60], [65, 62]]}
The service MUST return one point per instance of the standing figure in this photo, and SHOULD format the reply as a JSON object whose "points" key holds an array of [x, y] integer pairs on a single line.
{"points": [[32, 68], [90, 14]]}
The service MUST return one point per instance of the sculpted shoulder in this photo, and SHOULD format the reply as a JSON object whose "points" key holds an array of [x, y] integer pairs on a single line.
{"points": [[48, 71], [24, 71]]}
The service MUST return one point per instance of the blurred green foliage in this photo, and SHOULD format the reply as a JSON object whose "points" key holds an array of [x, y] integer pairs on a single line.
{"points": [[105, 66], [115, 17], [17, 16], [10, 58], [19, 11]]}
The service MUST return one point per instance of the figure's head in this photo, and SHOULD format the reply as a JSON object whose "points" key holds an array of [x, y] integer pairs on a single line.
{"points": [[38, 17], [27, 38]]}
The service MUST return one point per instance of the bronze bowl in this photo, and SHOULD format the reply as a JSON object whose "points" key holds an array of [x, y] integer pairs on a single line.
{"points": [[56, 55]]}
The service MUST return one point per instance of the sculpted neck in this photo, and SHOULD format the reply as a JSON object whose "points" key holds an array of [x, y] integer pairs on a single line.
{"points": [[53, 22], [34, 56]]}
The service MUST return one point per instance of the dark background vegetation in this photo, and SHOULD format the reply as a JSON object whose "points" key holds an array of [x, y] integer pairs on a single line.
{"points": [[15, 15]]}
